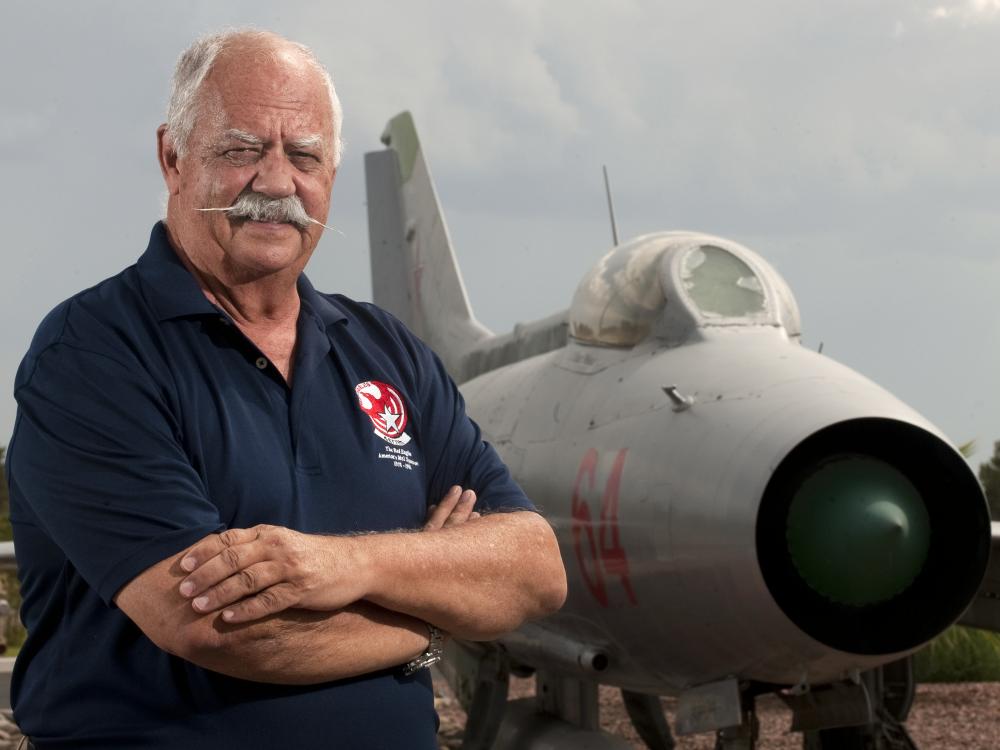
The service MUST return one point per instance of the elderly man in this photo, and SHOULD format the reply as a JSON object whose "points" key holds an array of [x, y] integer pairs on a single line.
{"points": [[192, 465]]}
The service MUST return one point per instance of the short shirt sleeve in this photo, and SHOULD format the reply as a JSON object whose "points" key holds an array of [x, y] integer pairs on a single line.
{"points": [[95, 461], [454, 443]]}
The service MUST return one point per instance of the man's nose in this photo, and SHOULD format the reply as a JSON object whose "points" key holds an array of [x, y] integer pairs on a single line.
{"points": [[274, 176]]}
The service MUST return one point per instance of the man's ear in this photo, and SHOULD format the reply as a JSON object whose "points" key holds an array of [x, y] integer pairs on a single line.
{"points": [[166, 154]]}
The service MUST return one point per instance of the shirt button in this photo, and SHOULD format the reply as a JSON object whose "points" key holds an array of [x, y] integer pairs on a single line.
{"points": [[261, 363]]}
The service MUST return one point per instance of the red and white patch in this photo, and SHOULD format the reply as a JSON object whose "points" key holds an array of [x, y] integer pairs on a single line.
{"points": [[385, 408]]}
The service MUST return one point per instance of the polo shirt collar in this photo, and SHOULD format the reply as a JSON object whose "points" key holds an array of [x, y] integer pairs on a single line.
{"points": [[170, 288], [325, 308], [174, 293]]}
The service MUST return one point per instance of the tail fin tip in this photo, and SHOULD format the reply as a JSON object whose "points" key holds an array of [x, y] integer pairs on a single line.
{"points": [[400, 135]]}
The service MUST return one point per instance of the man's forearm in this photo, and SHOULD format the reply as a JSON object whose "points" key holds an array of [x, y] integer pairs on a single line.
{"points": [[291, 647], [304, 647], [477, 580]]}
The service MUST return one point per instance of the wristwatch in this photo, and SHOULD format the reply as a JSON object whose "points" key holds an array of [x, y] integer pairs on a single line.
{"points": [[433, 654]]}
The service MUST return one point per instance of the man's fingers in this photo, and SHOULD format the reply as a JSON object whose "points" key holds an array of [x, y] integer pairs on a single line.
{"points": [[439, 513], [212, 545], [463, 509], [238, 586], [267, 602], [229, 561], [455, 508]]}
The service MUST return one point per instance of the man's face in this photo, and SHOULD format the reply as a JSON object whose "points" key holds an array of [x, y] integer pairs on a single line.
{"points": [[264, 125]]}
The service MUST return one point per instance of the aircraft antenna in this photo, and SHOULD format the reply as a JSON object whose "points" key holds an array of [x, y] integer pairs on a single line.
{"points": [[611, 206]]}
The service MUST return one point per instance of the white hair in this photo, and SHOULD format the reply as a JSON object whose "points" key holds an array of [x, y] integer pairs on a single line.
{"points": [[196, 62]]}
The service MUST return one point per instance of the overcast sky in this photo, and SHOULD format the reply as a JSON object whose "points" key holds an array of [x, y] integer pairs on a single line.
{"points": [[854, 144]]}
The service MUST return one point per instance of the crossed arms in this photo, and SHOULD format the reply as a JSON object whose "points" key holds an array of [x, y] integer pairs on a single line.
{"points": [[274, 605], [321, 607]]}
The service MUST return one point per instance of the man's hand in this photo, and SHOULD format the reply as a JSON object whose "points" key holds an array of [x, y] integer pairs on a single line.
{"points": [[267, 569], [455, 508]]}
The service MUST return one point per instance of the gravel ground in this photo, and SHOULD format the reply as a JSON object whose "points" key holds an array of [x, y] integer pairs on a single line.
{"points": [[964, 716]]}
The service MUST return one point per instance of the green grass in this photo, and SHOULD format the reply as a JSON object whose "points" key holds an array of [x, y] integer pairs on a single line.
{"points": [[960, 654]]}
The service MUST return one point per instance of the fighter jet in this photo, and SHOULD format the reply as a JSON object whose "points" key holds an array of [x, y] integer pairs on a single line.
{"points": [[738, 514]]}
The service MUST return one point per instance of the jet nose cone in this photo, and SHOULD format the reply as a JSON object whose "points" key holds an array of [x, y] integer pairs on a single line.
{"points": [[873, 536], [889, 520], [858, 531]]}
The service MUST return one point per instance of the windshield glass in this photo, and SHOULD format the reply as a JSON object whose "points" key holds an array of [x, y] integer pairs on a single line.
{"points": [[618, 300], [720, 284]]}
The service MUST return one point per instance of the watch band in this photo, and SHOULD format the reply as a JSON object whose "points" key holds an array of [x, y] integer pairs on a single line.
{"points": [[432, 655]]}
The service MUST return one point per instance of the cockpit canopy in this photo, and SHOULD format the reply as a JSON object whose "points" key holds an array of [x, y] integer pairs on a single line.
{"points": [[670, 284]]}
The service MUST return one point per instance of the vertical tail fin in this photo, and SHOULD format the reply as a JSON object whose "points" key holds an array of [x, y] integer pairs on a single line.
{"points": [[414, 272]]}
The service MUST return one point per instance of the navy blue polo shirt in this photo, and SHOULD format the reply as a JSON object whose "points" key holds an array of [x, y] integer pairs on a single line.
{"points": [[147, 420]]}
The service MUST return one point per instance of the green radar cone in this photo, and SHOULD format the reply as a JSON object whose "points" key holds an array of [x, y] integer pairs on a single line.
{"points": [[858, 531]]}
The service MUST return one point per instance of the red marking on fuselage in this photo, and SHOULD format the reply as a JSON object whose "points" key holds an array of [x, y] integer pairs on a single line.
{"points": [[604, 555]]}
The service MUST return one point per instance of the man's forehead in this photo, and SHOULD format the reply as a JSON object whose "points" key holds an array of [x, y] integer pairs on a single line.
{"points": [[279, 81], [245, 115], [287, 98], [255, 58], [268, 70]]}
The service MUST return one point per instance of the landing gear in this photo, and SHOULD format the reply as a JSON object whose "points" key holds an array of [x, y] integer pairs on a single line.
{"points": [[649, 721], [743, 737], [867, 713], [890, 690]]}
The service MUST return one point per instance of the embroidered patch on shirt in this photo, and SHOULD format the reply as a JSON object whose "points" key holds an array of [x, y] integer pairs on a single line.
{"points": [[385, 408]]}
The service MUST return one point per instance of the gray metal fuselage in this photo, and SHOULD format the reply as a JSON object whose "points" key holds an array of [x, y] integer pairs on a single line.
{"points": [[651, 462], [721, 494], [668, 580]]}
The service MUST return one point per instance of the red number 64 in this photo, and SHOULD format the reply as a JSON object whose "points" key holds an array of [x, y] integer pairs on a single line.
{"points": [[603, 556]]}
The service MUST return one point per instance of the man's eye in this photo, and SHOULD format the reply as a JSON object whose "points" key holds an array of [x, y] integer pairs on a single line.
{"points": [[304, 156], [242, 155]]}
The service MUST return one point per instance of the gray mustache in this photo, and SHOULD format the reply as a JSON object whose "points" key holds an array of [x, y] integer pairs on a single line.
{"points": [[258, 207]]}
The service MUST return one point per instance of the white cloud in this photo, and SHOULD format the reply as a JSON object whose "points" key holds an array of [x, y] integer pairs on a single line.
{"points": [[967, 11], [473, 75], [822, 133]]}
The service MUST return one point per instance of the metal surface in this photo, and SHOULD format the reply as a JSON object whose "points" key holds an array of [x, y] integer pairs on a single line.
{"points": [[743, 737], [524, 728], [409, 237], [657, 510], [840, 705], [708, 708], [672, 506], [611, 207], [8, 562], [489, 702], [888, 692], [984, 612], [7, 559], [899, 687], [6, 670], [535, 644], [568, 699], [646, 713]]}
